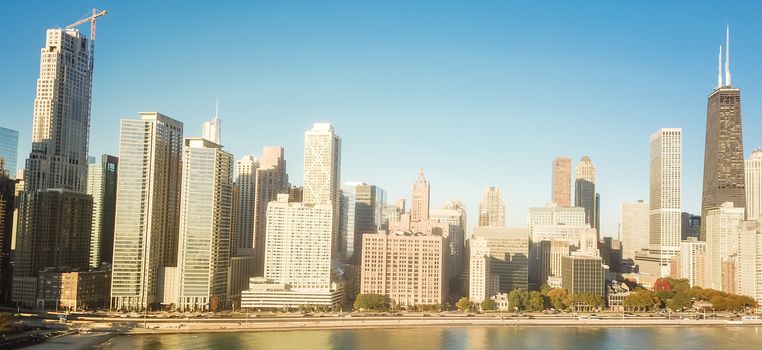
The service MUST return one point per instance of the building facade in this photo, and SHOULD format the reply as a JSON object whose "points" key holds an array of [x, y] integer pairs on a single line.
{"points": [[147, 209], [723, 152], [492, 208], [633, 228], [322, 172], [421, 198], [583, 274], [205, 226], [584, 190], [753, 178], [409, 268], [271, 180], [561, 182], [9, 143], [722, 239], [509, 251], [246, 183], [101, 184], [692, 252]]}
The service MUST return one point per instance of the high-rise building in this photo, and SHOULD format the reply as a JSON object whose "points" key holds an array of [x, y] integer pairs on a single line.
{"points": [[583, 274], [322, 172], [409, 268], [723, 152], [271, 180], [690, 263], [546, 257], [633, 228], [748, 253], [480, 273], [450, 221], [753, 178], [572, 216], [212, 129], [246, 183], [9, 143], [561, 182], [57, 162], [509, 249], [722, 240], [147, 209], [361, 211], [691, 226], [7, 209], [664, 202], [205, 226], [492, 208], [298, 246], [584, 189], [421, 196], [101, 184]]}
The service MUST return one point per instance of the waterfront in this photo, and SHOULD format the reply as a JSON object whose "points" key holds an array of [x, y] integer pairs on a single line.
{"points": [[456, 338]]}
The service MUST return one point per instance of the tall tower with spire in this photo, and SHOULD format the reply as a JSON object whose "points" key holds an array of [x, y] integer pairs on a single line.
{"points": [[421, 196], [211, 130], [723, 152]]}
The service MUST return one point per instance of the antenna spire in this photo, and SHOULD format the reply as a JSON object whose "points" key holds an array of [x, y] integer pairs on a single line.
{"points": [[719, 69], [727, 55], [217, 108]]}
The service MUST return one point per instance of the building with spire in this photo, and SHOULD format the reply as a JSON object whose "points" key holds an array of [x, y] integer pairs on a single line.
{"points": [[421, 196], [212, 129], [723, 152], [561, 182]]}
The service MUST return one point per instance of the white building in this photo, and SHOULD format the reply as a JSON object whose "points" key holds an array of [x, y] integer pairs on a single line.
{"points": [[205, 225], [572, 216], [298, 250], [492, 208], [246, 180], [479, 270], [664, 202], [690, 253], [722, 239], [747, 254], [633, 228], [322, 171], [147, 209], [753, 167]]}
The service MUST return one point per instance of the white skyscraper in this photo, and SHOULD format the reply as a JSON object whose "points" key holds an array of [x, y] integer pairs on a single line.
{"points": [[633, 228], [690, 263], [492, 208], [212, 129], [298, 248], [664, 202], [748, 253], [205, 226], [753, 178], [246, 180], [722, 239], [322, 171], [147, 209], [479, 274]]}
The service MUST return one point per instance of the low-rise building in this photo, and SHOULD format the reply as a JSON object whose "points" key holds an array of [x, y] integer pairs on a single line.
{"points": [[63, 289]]}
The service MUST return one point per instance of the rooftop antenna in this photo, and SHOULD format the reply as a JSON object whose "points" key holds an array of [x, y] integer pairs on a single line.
{"points": [[719, 69], [727, 55]]}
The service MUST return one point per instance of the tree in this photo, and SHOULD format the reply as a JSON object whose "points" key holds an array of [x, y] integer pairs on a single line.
{"points": [[557, 298], [536, 302], [464, 304], [641, 300], [517, 299], [489, 305], [214, 303], [376, 302]]}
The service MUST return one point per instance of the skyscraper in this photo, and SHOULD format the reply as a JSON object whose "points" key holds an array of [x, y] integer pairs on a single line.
{"points": [[509, 249], [421, 196], [753, 178], [633, 228], [361, 207], [58, 160], [584, 189], [101, 184], [7, 208], [723, 152], [322, 171], [246, 181], [271, 180], [492, 208], [722, 239], [561, 183], [212, 129], [664, 201], [205, 226], [147, 209], [9, 143]]}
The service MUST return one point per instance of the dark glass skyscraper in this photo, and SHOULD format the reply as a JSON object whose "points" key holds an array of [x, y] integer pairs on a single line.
{"points": [[723, 153]]}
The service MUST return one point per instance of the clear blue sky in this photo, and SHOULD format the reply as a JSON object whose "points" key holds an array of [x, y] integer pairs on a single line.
{"points": [[476, 94]]}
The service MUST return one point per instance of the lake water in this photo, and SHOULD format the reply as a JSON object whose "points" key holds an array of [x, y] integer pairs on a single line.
{"points": [[672, 338]]}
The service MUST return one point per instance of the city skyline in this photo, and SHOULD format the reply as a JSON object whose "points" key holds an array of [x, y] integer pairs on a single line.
{"points": [[694, 77]]}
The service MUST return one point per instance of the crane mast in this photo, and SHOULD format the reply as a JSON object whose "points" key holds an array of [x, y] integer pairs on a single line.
{"points": [[90, 18]]}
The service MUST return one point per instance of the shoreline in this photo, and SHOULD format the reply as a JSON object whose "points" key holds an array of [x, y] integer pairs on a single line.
{"points": [[185, 328]]}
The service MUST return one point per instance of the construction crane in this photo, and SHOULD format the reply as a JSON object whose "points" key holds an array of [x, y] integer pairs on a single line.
{"points": [[90, 18]]}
